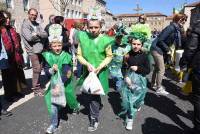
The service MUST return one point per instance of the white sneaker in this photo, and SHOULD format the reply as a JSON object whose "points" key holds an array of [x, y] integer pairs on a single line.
{"points": [[129, 124], [50, 130], [139, 108], [154, 86], [93, 125], [162, 91]]}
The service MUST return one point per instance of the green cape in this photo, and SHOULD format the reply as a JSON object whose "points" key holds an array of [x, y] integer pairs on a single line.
{"points": [[62, 58], [95, 53]]}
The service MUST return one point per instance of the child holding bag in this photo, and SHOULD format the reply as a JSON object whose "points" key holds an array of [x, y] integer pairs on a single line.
{"points": [[134, 87], [58, 68], [94, 52]]}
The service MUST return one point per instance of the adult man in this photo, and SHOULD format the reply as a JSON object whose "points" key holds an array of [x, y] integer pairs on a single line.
{"points": [[191, 57], [33, 35], [142, 19], [51, 21]]}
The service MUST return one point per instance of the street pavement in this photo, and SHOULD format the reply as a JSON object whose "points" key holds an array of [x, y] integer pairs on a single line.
{"points": [[170, 114]]}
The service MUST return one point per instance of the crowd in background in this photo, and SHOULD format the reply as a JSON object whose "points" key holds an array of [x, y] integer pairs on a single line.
{"points": [[126, 54]]}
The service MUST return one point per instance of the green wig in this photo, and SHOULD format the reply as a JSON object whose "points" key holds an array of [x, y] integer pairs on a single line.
{"points": [[138, 36]]}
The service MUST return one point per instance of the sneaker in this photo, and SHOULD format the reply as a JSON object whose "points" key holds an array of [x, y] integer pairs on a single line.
{"points": [[6, 113], [153, 86], [93, 125], [76, 110], [139, 109], [51, 129], [129, 124], [162, 91]]}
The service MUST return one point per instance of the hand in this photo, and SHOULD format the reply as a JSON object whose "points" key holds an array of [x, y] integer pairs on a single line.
{"points": [[128, 81], [134, 68], [55, 67], [97, 70], [34, 34], [90, 68], [169, 53], [183, 68]]}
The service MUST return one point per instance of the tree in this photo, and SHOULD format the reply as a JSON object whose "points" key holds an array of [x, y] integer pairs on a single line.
{"points": [[3, 6], [60, 5]]}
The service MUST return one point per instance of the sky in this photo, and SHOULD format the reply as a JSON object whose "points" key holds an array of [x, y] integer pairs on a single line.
{"points": [[162, 6]]}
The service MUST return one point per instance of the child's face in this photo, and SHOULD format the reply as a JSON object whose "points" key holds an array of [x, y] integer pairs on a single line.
{"points": [[56, 47], [136, 45], [118, 40], [94, 27]]}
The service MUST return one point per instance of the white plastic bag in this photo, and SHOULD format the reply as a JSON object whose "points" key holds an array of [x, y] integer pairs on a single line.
{"points": [[92, 85], [58, 91]]}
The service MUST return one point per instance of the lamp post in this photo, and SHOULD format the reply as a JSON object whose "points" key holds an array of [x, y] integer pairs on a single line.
{"points": [[138, 8]]}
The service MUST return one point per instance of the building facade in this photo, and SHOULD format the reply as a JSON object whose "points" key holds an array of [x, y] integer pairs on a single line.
{"points": [[109, 19], [155, 20], [168, 20], [191, 13], [74, 9], [88, 4], [19, 9]]}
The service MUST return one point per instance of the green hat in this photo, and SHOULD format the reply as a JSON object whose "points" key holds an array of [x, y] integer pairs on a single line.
{"points": [[138, 36]]}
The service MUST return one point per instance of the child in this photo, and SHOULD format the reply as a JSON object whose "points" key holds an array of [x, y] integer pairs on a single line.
{"points": [[94, 52], [58, 60], [134, 87], [119, 48]]}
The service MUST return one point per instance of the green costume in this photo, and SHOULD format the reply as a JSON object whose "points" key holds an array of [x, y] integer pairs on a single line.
{"points": [[62, 58], [94, 52]]}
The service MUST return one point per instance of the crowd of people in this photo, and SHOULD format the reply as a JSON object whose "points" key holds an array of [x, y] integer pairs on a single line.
{"points": [[124, 54]]}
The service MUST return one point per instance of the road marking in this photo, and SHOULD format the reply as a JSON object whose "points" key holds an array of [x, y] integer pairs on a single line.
{"points": [[21, 101]]}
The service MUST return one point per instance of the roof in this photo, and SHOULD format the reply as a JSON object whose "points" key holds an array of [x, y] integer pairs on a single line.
{"points": [[169, 17], [109, 13], [102, 1], [137, 15], [155, 14], [193, 4], [128, 15]]}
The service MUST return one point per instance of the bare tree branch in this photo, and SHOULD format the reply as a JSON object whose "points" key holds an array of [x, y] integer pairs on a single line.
{"points": [[60, 5]]}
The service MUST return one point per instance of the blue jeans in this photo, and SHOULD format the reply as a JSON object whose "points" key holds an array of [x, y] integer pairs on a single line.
{"points": [[79, 69], [118, 83], [54, 115]]}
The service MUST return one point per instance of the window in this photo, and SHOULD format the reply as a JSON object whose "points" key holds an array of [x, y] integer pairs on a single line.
{"points": [[76, 14], [73, 2], [80, 15], [76, 2], [72, 14], [26, 5], [79, 2], [67, 14], [9, 3]]}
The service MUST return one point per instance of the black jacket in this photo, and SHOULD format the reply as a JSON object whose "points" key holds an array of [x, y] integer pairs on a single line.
{"points": [[167, 37], [191, 55], [140, 60]]}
